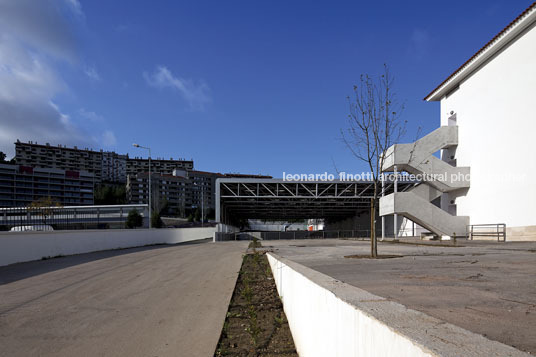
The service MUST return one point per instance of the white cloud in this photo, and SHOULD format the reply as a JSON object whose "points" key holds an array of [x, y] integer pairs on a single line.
{"points": [[34, 37], [90, 121], [91, 116], [75, 6], [41, 25], [108, 139], [27, 86], [419, 44], [196, 94], [92, 74]]}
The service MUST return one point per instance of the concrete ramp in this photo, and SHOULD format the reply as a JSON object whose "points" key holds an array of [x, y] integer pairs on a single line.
{"points": [[151, 301]]}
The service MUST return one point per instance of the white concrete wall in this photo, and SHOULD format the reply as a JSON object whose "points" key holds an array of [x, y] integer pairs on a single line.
{"points": [[331, 318], [323, 325], [496, 116], [225, 228], [277, 226], [18, 247]]}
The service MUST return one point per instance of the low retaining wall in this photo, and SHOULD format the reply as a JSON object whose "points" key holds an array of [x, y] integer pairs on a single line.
{"points": [[521, 234], [18, 247], [331, 318]]}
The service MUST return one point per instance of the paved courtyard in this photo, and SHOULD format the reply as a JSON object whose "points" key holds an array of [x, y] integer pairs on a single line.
{"points": [[487, 288], [151, 301], [172, 300]]}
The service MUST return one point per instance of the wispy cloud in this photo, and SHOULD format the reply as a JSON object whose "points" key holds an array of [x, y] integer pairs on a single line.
{"points": [[196, 94], [121, 28], [419, 44], [88, 121], [91, 116], [92, 74], [75, 6], [108, 139]]}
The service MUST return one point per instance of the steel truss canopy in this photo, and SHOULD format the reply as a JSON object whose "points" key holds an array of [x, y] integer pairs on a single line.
{"points": [[277, 199]]}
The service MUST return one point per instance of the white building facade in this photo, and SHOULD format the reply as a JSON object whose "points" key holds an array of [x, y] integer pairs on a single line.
{"points": [[488, 125], [491, 99]]}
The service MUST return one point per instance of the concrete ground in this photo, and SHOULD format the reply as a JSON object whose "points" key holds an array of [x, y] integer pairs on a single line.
{"points": [[487, 288], [150, 301]]}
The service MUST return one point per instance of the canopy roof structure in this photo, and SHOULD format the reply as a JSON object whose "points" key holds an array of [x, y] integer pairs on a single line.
{"points": [[277, 199]]}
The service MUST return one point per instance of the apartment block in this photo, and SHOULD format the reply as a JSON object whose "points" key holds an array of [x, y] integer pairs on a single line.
{"points": [[201, 188], [184, 190], [138, 165], [164, 189], [21, 185], [114, 167], [59, 157], [104, 165]]}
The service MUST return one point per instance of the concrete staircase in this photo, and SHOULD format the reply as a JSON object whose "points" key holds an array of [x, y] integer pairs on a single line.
{"points": [[423, 213], [437, 177]]}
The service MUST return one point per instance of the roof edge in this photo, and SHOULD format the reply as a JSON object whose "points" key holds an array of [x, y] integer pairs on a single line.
{"points": [[520, 23]]}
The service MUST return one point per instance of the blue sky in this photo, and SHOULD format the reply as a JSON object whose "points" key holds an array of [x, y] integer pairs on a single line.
{"points": [[239, 86]]}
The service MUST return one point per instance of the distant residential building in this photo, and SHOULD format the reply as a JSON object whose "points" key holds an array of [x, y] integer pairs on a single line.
{"points": [[59, 157], [231, 175], [201, 189], [21, 185], [173, 181], [105, 165], [138, 165], [166, 190], [184, 190], [114, 167]]}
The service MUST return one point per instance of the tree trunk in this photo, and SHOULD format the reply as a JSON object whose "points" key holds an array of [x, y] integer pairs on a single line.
{"points": [[373, 243]]}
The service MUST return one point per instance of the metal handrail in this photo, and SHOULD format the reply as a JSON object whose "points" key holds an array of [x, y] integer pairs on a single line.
{"points": [[496, 230]]}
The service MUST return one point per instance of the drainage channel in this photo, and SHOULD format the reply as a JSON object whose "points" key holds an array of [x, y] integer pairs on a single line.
{"points": [[255, 324]]}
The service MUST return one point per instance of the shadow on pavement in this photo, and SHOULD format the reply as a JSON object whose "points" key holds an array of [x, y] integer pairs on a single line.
{"points": [[18, 271]]}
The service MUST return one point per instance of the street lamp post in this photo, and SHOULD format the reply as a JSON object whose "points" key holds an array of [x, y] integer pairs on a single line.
{"points": [[202, 202], [149, 149]]}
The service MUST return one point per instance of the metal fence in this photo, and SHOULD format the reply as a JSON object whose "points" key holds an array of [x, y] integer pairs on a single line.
{"points": [[290, 235], [71, 217]]}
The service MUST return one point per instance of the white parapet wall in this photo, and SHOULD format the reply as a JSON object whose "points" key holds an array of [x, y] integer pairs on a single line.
{"points": [[16, 247], [330, 318]]}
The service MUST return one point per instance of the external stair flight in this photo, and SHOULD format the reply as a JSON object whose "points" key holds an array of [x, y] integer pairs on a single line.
{"points": [[437, 177]]}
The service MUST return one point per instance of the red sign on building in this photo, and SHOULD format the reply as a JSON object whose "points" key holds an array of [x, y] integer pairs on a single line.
{"points": [[26, 170], [72, 174]]}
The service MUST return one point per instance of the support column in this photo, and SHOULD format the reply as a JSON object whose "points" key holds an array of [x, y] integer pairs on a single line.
{"points": [[395, 223]]}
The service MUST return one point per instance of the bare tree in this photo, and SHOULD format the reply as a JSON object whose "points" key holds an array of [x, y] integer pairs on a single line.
{"points": [[44, 207], [374, 126]]}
